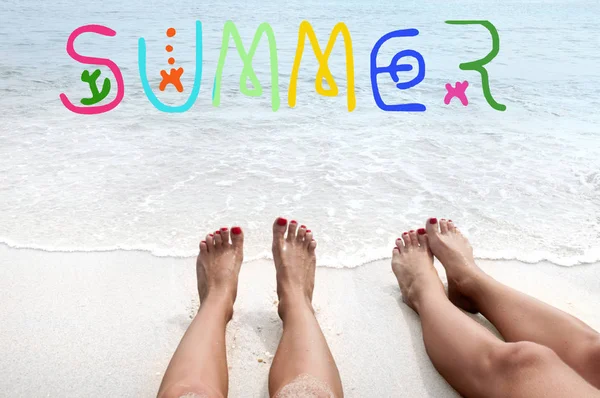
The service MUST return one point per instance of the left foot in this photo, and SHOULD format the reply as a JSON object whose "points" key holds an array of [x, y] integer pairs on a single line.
{"points": [[412, 263], [218, 265]]}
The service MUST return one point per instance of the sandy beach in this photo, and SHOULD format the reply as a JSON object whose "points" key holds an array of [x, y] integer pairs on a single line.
{"points": [[106, 324]]}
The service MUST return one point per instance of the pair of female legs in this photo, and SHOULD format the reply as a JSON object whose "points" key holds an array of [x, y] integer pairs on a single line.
{"points": [[546, 352], [303, 365]]}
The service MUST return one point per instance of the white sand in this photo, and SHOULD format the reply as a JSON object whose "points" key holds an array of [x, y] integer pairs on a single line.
{"points": [[106, 324]]}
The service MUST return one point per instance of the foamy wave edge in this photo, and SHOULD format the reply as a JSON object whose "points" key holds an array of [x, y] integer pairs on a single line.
{"points": [[591, 256]]}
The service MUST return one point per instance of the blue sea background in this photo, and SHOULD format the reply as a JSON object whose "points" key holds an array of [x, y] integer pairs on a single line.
{"points": [[523, 184]]}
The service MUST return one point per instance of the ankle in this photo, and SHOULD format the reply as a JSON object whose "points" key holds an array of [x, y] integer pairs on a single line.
{"points": [[421, 292], [293, 301], [219, 302]]}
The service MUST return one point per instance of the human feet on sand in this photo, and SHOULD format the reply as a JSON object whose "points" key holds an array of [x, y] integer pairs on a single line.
{"points": [[412, 263], [295, 262], [218, 265], [455, 253]]}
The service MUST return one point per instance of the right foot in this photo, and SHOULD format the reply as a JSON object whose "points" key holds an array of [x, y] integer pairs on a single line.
{"points": [[295, 262], [456, 255]]}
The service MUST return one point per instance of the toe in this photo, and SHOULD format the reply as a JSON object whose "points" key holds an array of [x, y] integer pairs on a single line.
{"points": [[422, 237], [312, 246], [237, 237], [396, 252], [203, 247], [225, 236], [301, 233], [451, 226], [279, 227], [292, 230], [406, 238], [210, 242], [413, 238], [443, 226], [308, 237], [431, 226], [400, 244], [218, 239]]}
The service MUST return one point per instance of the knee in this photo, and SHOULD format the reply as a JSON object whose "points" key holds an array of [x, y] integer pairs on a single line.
{"points": [[512, 359], [591, 359]]}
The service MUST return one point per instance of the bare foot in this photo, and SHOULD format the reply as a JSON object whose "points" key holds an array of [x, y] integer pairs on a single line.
{"points": [[456, 255], [412, 263], [295, 262], [218, 265]]}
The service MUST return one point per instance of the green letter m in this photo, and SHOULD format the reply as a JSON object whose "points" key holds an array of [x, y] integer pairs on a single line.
{"points": [[248, 72]]}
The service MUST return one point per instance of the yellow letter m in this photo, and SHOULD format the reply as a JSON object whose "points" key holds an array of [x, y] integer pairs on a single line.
{"points": [[323, 57]]}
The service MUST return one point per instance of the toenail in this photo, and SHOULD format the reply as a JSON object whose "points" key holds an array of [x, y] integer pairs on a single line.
{"points": [[433, 220], [224, 229], [211, 235], [421, 231], [411, 231], [203, 242], [406, 233], [302, 226], [395, 248], [218, 232], [236, 230], [281, 221], [293, 222], [308, 230], [443, 219], [449, 220]]}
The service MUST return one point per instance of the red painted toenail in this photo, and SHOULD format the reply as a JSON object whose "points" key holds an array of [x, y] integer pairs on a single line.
{"points": [[281, 221], [302, 226], [406, 233], [236, 230], [210, 235], [411, 231], [449, 220], [308, 230], [443, 219], [203, 242], [395, 248], [421, 231], [433, 220], [218, 232], [293, 222], [224, 229]]}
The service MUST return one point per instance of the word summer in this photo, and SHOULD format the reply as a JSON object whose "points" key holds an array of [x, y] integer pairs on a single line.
{"points": [[173, 76]]}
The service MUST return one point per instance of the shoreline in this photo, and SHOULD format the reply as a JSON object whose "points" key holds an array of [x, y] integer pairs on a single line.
{"points": [[98, 324]]}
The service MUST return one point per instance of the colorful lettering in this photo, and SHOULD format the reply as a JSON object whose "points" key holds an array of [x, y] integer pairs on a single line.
{"points": [[393, 68], [230, 30], [478, 65], [96, 97], [174, 74], [323, 72]]}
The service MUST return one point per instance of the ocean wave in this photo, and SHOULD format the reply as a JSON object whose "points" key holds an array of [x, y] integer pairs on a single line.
{"points": [[591, 256]]}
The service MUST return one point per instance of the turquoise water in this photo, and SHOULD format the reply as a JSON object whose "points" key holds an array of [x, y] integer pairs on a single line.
{"points": [[523, 184]]}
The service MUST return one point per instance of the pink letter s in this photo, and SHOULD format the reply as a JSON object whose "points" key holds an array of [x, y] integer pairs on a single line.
{"points": [[94, 110]]}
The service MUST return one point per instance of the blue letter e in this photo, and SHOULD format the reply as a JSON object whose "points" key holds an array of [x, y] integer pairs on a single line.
{"points": [[393, 70]]}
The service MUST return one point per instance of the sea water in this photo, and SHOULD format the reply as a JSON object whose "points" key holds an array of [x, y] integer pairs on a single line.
{"points": [[522, 184]]}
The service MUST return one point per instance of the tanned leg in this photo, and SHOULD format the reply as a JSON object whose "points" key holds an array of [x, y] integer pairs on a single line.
{"points": [[517, 316], [198, 368], [303, 365]]}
